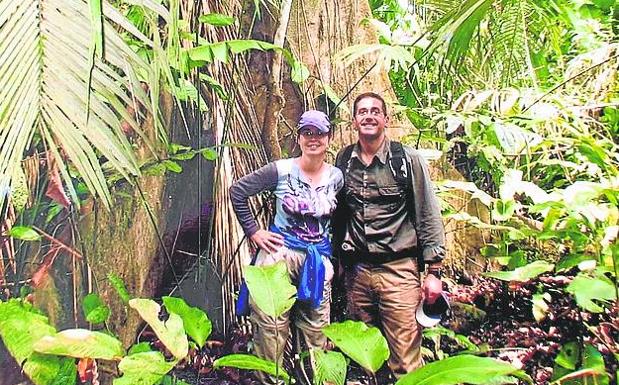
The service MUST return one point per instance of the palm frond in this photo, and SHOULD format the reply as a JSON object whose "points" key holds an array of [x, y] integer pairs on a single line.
{"points": [[456, 29], [45, 69], [512, 41]]}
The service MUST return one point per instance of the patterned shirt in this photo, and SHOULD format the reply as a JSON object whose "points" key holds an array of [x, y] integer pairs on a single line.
{"points": [[301, 209]]}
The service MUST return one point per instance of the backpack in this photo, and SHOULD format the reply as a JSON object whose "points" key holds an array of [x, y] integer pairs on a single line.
{"points": [[400, 167], [401, 170]]}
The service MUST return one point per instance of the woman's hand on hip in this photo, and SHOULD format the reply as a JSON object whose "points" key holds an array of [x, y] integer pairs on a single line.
{"points": [[267, 240]]}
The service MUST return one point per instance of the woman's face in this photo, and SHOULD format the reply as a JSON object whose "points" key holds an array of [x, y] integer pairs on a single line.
{"points": [[312, 141]]}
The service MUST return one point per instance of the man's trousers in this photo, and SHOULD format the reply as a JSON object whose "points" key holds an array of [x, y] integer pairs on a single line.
{"points": [[387, 296]]}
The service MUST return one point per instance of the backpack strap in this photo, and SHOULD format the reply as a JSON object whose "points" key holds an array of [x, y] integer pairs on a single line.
{"points": [[343, 160], [340, 217], [402, 172], [400, 168]]}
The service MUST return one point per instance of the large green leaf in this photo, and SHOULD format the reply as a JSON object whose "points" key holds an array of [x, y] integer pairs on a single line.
{"points": [[572, 364], [146, 368], [524, 273], [465, 369], [196, 323], [331, 368], [270, 288], [81, 343], [365, 345], [220, 51], [249, 362], [44, 369], [20, 328], [586, 289], [593, 359], [171, 332]]}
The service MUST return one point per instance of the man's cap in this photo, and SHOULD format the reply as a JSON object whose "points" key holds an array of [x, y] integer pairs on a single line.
{"points": [[429, 315], [316, 119]]}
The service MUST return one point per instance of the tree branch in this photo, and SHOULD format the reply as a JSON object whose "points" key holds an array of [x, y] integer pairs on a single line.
{"points": [[275, 100]]}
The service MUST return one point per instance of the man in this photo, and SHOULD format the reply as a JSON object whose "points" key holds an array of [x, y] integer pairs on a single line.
{"points": [[387, 230]]}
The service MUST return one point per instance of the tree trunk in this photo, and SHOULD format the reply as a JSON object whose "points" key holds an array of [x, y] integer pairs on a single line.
{"points": [[311, 25]]}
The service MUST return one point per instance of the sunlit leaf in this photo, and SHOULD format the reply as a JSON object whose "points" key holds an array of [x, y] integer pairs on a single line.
{"points": [[249, 362], [171, 332], [522, 274], [331, 368], [44, 369], [503, 210], [146, 368], [95, 310], [216, 19], [81, 343], [196, 323], [464, 369], [120, 287], [209, 154], [140, 347], [365, 345], [172, 166], [586, 289], [24, 233], [540, 306], [21, 328], [270, 288], [299, 72]]}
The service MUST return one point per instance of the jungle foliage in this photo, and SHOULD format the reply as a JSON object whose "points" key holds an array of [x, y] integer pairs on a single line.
{"points": [[520, 96]]}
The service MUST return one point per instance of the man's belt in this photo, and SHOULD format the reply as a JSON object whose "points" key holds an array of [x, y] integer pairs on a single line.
{"points": [[351, 257]]}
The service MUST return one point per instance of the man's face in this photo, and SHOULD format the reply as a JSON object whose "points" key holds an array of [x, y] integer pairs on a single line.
{"points": [[370, 119]]}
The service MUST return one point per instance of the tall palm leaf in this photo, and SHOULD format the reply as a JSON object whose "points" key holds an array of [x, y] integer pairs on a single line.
{"points": [[493, 39], [45, 71]]}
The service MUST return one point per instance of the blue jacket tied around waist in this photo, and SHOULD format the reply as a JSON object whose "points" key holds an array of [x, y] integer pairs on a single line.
{"points": [[312, 277]]}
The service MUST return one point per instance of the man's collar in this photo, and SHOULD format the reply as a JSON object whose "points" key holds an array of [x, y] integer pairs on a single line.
{"points": [[381, 154]]}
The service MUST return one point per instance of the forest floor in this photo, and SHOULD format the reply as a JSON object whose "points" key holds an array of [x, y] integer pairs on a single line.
{"points": [[488, 317]]}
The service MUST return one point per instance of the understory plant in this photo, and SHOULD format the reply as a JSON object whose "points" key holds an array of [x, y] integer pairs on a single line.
{"points": [[49, 357], [273, 293], [521, 98]]}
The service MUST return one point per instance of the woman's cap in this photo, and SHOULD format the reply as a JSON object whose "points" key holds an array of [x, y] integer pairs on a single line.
{"points": [[316, 119], [428, 315]]}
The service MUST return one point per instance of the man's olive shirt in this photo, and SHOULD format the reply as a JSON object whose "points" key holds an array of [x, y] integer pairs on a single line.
{"points": [[379, 222]]}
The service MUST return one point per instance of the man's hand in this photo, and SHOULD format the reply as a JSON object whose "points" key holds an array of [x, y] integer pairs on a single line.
{"points": [[267, 240], [432, 288]]}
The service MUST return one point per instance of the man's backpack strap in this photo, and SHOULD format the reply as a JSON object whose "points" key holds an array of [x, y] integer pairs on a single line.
{"points": [[343, 159], [402, 172], [400, 167], [340, 217]]}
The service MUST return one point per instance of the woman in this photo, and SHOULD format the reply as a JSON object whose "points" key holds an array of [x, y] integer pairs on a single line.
{"points": [[305, 190]]}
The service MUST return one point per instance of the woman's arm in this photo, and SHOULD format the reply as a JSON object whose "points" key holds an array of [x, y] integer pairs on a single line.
{"points": [[263, 179]]}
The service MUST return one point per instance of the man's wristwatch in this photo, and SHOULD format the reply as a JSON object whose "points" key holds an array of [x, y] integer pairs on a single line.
{"points": [[435, 271]]}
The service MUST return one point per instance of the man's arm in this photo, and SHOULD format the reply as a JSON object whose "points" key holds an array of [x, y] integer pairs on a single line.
{"points": [[428, 219], [428, 225]]}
